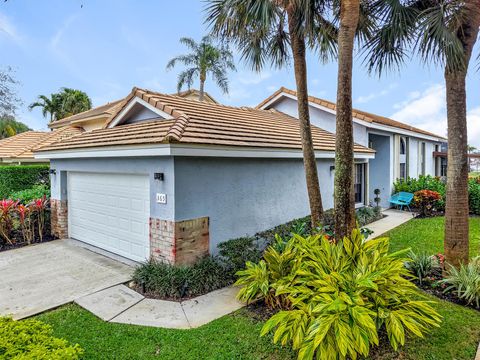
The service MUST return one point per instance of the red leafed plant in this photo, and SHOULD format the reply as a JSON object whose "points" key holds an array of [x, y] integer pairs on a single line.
{"points": [[27, 222], [426, 201], [6, 220], [39, 206]]}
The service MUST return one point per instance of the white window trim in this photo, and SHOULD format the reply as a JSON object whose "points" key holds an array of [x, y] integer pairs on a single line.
{"points": [[136, 100]]}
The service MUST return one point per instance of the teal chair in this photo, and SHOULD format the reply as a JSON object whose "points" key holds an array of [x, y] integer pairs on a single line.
{"points": [[402, 199]]}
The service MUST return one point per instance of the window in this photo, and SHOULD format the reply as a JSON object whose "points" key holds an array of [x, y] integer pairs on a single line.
{"points": [[359, 183], [443, 166], [403, 146], [403, 171]]}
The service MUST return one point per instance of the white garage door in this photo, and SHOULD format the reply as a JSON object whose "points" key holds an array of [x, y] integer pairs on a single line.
{"points": [[110, 211]]}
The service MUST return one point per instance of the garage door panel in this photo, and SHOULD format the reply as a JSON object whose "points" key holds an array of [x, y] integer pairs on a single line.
{"points": [[110, 211]]}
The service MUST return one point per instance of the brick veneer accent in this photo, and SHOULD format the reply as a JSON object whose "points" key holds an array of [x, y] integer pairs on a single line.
{"points": [[59, 218], [181, 242]]}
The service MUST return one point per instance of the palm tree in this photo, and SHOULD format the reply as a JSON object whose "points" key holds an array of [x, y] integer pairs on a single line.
{"points": [[65, 103], [204, 59], [269, 30], [50, 106], [344, 161], [443, 32], [74, 101]]}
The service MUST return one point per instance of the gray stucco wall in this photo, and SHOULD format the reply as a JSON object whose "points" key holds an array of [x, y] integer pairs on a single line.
{"points": [[379, 168], [321, 119], [243, 196], [147, 166]]}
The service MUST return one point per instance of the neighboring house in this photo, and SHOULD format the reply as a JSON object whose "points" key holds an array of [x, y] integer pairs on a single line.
{"points": [[401, 150], [170, 178], [18, 149]]}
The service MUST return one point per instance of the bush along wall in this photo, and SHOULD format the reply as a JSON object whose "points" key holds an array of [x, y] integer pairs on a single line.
{"points": [[21, 177], [428, 182]]}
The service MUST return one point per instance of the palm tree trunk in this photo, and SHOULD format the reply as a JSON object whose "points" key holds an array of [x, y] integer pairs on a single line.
{"points": [[201, 95], [344, 190], [309, 161], [456, 211]]}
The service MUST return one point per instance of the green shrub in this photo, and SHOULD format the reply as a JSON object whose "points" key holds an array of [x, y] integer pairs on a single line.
{"points": [[28, 195], [420, 265], [32, 339], [340, 295], [465, 281], [412, 185], [176, 282], [21, 177], [426, 201], [474, 195], [368, 214], [236, 252]]}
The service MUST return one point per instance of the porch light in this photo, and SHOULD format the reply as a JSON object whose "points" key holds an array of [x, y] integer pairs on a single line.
{"points": [[53, 171], [158, 176]]}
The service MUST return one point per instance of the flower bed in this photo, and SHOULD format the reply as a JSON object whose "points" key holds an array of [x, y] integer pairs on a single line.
{"points": [[24, 223]]}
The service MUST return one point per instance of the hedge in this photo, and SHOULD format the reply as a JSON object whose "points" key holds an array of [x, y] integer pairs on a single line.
{"points": [[428, 182], [21, 177]]}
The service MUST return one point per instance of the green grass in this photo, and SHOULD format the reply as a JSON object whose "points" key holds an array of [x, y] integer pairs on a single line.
{"points": [[231, 337], [236, 336], [427, 235]]}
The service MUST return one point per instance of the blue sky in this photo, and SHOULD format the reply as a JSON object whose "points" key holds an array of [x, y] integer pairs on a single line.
{"points": [[106, 47]]}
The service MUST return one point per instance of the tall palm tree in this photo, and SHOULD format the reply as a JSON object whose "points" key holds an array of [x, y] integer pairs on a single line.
{"points": [[344, 160], [443, 32], [204, 59], [51, 106], [65, 103], [274, 31]]}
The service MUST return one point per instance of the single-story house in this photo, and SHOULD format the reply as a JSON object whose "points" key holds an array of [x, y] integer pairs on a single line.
{"points": [[401, 150], [169, 178], [18, 149]]}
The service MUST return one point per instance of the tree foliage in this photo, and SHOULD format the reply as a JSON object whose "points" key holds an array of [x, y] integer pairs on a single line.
{"points": [[10, 127], [66, 102], [9, 100], [205, 58]]}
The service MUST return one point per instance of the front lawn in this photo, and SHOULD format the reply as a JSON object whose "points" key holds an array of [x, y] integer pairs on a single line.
{"points": [[427, 235], [236, 336]]}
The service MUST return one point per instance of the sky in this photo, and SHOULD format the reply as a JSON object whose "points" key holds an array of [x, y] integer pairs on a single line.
{"points": [[105, 47]]}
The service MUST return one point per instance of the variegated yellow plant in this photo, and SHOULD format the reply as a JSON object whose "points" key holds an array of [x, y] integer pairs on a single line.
{"points": [[339, 296]]}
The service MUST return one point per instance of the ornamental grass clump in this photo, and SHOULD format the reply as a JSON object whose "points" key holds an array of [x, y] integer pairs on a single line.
{"points": [[337, 297], [465, 281]]}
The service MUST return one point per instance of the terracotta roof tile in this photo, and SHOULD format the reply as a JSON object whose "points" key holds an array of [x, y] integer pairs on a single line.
{"points": [[105, 110], [359, 114], [203, 123], [21, 146]]}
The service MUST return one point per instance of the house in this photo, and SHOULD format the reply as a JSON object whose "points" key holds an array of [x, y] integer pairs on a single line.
{"points": [[18, 149], [401, 150], [169, 178]]}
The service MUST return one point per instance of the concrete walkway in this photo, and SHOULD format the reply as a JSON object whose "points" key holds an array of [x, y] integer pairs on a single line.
{"points": [[121, 304], [41, 277], [394, 218]]}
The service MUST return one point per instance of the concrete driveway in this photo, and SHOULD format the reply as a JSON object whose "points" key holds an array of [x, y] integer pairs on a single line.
{"points": [[37, 278]]}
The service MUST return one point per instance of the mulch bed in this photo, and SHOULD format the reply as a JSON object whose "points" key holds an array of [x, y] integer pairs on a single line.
{"points": [[18, 241], [431, 286]]}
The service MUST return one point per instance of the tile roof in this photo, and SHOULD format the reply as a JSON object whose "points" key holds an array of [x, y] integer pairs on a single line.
{"points": [[203, 123], [196, 94], [21, 147], [358, 114], [105, 110]]}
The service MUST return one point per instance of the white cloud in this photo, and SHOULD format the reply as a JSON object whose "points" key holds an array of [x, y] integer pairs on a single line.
{"points": [[9, 30], [253, 78], [427, 110], [375, 95], [56, 44]]}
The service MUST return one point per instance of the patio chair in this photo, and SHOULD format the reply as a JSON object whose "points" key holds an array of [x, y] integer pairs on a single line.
{"points": [[402, 199]]}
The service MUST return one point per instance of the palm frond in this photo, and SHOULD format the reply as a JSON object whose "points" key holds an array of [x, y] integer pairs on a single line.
{"points": [[186, 78]]}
